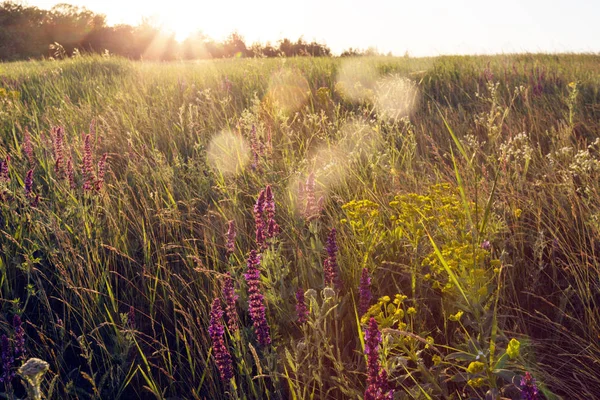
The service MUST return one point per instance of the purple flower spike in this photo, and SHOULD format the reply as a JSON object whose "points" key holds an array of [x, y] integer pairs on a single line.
{"points": [[230, 299], [377, 381], [330, 265], [272, 227], [7, 361], [220, 352], [231, 234], [4, 169], [529, 389], [256, 300], [258, 219], [301, 309], [29, 183], [364, 292], [19, 337]]}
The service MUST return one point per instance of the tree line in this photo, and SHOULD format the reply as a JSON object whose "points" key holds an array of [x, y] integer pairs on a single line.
{"points": [[30, 32]]}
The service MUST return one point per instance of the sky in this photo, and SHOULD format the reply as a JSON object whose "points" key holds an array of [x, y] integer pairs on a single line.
{"points": [[419, 27]]}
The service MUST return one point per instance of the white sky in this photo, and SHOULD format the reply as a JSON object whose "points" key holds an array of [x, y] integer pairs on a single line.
{"points": [[421, 27]]}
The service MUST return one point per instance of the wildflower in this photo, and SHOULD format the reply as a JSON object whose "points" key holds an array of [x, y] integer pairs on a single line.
{"points": [[4, 169], [485, 245], [272, 227], [330, 266], [220, 352], [258, 219], [29, 183], [256, 148], [231, 234], [256, 300], [529, 389], [377, 382], [131, 317], [230, 299], [301, 309], [476, 367], [57, 135], [7, 361], [27, 147], [364, 291], [312, 208], [513, 348], [71, 173], [87, 169], [101, 171], [19, 337], [32, 372]]}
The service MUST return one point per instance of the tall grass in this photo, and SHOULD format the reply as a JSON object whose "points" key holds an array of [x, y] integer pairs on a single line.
{"points": [[475, 209]]}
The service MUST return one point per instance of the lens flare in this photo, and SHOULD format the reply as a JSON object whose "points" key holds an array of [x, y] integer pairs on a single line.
{"points": [[228, 153], [288, 91], [357, 80], [395, 97]]}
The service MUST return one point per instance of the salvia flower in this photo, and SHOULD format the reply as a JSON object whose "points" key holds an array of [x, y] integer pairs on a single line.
{"points": [[19, 337], [57, 134], [231, 234], [216, 331], [101, 171], [230, 300], [131, 317], [529, 389], [29, 183], [269, 213], [71, 174], [377, 382], [27, 147], [258, 219], [4, 169], [7, 361], [256, 300], [301, 309], [330, 265], [87, 168], [364, 291]]}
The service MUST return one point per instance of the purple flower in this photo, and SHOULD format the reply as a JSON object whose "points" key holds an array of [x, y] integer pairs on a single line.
{"points": [[19, 337], [485, 245], [269, 213], [312, 207], [330, 265], [101, 171], [364, 292], [57, 135], [301, 309], [377, 382], [27, 147], [4, 169], [230, 299], [71, 174], [131, 317], [220, 352], [7, 361], [256, 300], [231, 234], [529, 389], [258, 219], [87, 168], [29, 183]]}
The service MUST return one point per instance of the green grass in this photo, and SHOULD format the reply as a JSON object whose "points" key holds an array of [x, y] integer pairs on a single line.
{"points": [[414, 177]]}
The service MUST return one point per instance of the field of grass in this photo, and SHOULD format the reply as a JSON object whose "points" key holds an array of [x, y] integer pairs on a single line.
{"points": [[301, 228]]}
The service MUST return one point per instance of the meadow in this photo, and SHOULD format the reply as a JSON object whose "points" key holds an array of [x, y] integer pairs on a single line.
{"points": [[301, 228]]}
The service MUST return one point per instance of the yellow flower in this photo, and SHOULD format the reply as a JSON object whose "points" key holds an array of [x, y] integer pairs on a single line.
{"points": [[513, 348], [456, 317], [411, 311], [437, 360], [476, 367]]}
